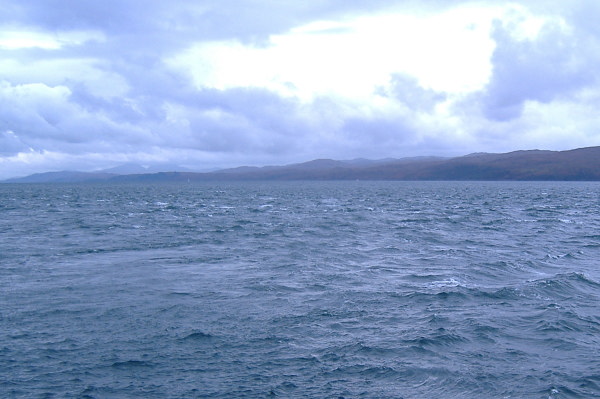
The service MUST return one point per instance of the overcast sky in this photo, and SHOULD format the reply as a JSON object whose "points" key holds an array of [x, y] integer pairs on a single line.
{"points": [[211, 83]]}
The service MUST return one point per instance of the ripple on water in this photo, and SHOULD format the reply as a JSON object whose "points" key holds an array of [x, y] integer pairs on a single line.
{"points": [[300, 290]]}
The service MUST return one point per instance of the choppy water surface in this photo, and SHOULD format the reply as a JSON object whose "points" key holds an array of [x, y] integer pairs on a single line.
{"points": [[300, 290]]}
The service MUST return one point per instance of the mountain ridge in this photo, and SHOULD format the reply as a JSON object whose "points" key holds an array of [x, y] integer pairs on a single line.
{"points": [[569, 165]]}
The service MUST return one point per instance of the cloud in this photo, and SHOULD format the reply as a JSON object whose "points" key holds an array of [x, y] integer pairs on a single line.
{"points": [[24, 38], [234, 120], [405, 89], [208, 83], [10, 144], [95, 74], [45, 119], [34, 109], [550, 64], [351, 57]]}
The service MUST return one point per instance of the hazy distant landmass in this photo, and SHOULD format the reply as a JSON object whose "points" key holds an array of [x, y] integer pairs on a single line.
{"points": [[578, 164]]}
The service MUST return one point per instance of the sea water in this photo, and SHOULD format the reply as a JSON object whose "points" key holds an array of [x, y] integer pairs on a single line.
{"points": [[300, 290]]}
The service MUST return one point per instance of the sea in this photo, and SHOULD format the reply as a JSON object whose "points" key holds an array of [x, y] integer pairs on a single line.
{"points": [[300, 290]]}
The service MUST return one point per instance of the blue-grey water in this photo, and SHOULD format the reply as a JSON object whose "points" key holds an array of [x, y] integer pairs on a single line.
{"points": [[300, 290]]}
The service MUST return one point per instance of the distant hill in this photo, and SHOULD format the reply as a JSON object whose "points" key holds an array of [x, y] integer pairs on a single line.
{"points": [[63, 177], [126, 169], [132, 168], [579, 164], [97, 176]]}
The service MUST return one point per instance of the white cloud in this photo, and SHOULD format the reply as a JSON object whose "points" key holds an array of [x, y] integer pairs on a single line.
{"points": [[20, 38], [94, 74], [447, 52]]}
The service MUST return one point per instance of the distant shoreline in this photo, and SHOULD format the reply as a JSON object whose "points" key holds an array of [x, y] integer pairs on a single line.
{"points": [[582, 164]]}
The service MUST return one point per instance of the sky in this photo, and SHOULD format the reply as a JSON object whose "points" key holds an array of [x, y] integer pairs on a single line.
{"points": [[206, 84]]}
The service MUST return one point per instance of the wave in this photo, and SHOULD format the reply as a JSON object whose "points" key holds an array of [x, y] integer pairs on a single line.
{"points": [[197, 336], [564, 286], [132, 364]]}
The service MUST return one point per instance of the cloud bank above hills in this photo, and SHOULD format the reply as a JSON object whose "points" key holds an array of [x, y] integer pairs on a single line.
{"points": [[207, 84]]}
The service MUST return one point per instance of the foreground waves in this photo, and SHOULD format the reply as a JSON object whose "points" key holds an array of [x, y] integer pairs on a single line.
{"points": [[300, 290]]}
